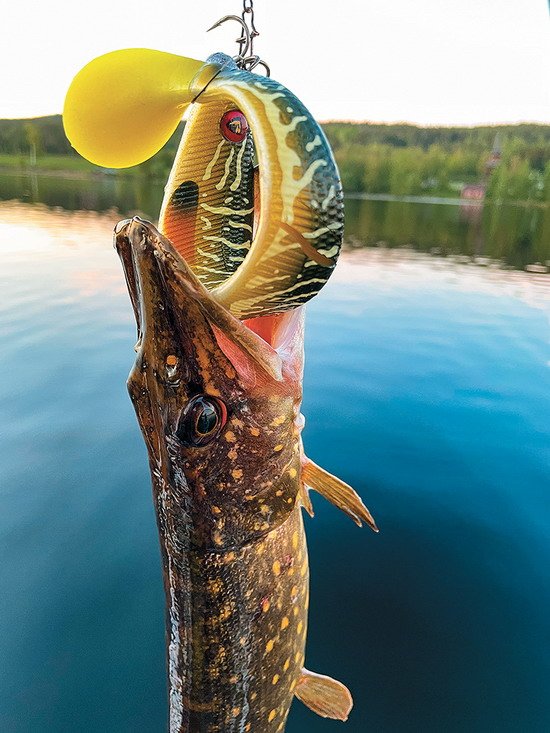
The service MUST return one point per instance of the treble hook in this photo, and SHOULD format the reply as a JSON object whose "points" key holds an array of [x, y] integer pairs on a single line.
{"points": [[243, 41], [251, 62]]}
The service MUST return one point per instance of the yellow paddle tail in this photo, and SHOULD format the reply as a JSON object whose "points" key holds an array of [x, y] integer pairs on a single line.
{"points": [[122, 107]]}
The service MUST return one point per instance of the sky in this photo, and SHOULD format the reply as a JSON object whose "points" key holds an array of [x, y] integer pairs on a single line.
{"points": [[430, 62]]}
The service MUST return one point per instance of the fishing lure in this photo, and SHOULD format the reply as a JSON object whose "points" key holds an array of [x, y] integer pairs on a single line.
{"points": [[250, 229]]}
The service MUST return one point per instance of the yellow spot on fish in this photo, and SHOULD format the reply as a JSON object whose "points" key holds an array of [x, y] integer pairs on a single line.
{"points": [[300, 627], [278, 448], [294, 590], [232, 454], [242, 641], [277, 567], [229, 557], [275, 679], [236, 422], [216, 510], [269, 646], [272, 715], [295, 538], [235, 712], [261, 548], [255, 431], [230, 436], [295, 610], [265, 605], [286, 665], [230, 373], [285, 622], [278, 493], [233, 679], [226, 613], [289, 500], [303, 571], [265, 509], [237, 473], [214, 586], [292, 684], [247, 727], [278, 420], [171, 360], [217, 538], [292, 472], [297, 657]]}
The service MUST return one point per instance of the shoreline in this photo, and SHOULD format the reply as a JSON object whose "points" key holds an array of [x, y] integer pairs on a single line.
{"points": [[353, 195]]}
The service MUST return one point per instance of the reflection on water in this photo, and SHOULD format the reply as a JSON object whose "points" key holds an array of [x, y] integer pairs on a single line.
{"points": [[427, 387], [128, 194], [513, 236]]}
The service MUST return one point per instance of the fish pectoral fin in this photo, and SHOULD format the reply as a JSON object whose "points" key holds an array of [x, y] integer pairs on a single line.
{"points": [[325, 696], [305, 499], [337, 492]]}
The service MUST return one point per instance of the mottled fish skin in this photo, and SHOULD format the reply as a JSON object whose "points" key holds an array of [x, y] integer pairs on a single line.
{"points": [[232, 538]]}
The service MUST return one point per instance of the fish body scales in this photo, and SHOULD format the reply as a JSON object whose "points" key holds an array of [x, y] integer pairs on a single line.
{"points": [[246, 633]]}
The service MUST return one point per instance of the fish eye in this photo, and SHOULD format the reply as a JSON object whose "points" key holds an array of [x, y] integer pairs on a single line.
{"points": [[201, 420]]}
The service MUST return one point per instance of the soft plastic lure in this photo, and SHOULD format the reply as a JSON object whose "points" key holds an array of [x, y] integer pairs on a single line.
{"points": [[251, 227]]}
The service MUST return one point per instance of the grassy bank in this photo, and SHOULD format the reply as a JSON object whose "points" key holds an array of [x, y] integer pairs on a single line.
{"points": [[47, 163]]}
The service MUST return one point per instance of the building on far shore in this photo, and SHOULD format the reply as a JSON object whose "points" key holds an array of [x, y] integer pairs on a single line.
{"points": [[476, 191], [473, 191]]}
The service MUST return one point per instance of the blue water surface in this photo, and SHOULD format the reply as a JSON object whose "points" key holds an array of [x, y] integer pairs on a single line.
{"points": [[427, 387]]}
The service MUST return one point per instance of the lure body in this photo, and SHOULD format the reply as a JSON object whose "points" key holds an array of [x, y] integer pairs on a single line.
{"points": [[251, 223], [299, 230]]}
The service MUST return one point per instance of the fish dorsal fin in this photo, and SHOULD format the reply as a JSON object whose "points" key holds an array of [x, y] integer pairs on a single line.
{"points": [[337, 492], [325, 696]]}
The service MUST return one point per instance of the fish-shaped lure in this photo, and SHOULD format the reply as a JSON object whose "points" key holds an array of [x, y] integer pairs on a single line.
{"points": [[251, 227]]}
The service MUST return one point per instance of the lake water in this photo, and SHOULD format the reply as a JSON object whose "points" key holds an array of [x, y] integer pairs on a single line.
{"points": [[427, 387]]}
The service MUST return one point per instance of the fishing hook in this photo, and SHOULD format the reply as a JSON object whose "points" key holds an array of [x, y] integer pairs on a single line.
{"points": [[250, 63], [243, 41], [246, 58]]}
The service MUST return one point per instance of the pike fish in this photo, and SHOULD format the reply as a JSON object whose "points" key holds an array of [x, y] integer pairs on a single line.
{"points": [[250, 229]]}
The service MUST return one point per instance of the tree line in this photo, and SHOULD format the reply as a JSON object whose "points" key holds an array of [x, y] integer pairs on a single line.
{"points": [[397, 159]]}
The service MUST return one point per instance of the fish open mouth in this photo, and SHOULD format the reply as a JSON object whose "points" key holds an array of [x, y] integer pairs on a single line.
{"points": [[170, 302]]}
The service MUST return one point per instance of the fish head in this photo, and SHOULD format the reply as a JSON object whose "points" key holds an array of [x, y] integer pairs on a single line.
{"points": [[217, 398]]}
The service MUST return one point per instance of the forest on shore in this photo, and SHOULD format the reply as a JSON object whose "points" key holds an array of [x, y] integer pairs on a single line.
{"points": [[396, 159]]}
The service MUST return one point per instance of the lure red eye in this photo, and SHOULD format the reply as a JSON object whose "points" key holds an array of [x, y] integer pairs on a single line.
{"points": [[234, 126]]}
